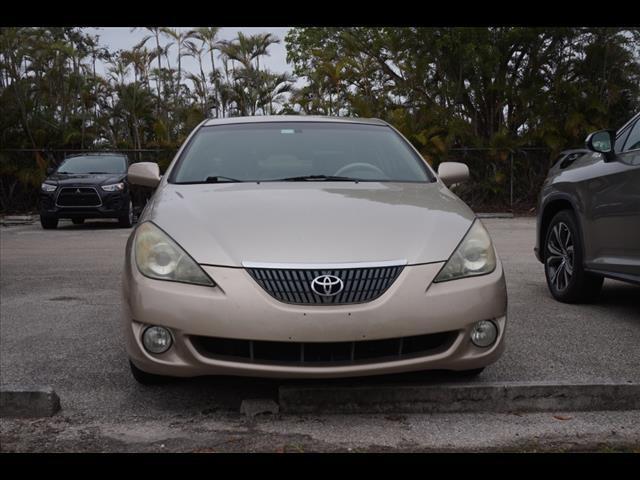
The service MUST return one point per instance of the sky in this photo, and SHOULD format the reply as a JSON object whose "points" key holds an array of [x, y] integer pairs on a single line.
{"points": [[115, 38]]}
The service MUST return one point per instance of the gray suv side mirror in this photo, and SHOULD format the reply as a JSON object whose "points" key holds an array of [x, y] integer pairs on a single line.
{"points": [[602, 142]]}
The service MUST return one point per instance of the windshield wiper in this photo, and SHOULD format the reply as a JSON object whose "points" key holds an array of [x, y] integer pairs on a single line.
{"points": [[310, 178], [221, 179], [96, 173]]}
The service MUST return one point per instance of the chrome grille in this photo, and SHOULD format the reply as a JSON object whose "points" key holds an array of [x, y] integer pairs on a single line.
{"points": [[291, 285], [78, 197]]}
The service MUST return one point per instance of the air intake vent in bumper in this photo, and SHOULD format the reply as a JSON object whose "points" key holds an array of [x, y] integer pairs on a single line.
{"points": [[323, 353]]}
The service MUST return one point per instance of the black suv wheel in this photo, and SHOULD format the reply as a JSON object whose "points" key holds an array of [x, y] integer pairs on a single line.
{"points": [[126, 220], [563, 262], [48, 223]]}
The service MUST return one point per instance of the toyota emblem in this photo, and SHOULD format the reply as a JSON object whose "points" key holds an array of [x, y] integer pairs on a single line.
{"points": [[327, 285]]}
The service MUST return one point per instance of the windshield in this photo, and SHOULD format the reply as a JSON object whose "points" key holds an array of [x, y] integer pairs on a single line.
{"points": [[298, 151], [94, 164]]}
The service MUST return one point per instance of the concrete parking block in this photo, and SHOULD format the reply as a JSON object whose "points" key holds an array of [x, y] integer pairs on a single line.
{"points": [[21, 401], [459, 398], [18, 219]]}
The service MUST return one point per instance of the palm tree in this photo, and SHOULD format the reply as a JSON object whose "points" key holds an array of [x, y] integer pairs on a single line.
{"points": [[261, 43], [179, 37], [196, 51], [119, 68], [157, 54], [208, 36], [273, 89]]}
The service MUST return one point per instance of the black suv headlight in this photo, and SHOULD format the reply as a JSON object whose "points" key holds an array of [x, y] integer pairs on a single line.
{"points": [[114, 187]]}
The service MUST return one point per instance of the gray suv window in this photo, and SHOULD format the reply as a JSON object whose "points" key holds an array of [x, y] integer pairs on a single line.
{"points": [[633, 141]]}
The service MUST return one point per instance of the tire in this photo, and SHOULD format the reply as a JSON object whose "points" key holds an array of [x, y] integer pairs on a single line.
{"points": [[563, 262], [48, 223], [77, 221], [126, 220], [145, 378]]}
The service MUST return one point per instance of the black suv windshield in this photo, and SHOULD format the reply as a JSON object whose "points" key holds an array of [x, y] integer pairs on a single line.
{"points": [[299, 151], [94, 164]]}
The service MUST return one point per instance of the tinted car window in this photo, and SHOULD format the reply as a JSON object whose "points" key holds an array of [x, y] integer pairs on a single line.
{"points": [[633, 141], [620, 140], [94, 164], [277, 150]]}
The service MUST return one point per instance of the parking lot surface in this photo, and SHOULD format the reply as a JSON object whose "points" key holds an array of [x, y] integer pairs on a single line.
{"points": [[59, 327]]}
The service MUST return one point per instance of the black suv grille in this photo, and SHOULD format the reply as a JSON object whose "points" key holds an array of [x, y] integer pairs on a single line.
{"points": [[295, 285], [78, 197], [323, 353]]}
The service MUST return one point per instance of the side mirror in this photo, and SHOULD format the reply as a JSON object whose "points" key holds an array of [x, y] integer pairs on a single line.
{"points": [[453, 172], [602, 142], [50, 170], [146, 174]]}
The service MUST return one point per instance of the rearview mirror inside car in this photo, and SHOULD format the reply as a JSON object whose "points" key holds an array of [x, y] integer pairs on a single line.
{"points": [[146, 174], [602, 141], [453, 172]]}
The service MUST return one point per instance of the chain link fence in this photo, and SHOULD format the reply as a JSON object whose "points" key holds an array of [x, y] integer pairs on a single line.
{"points": [[505, 181]]}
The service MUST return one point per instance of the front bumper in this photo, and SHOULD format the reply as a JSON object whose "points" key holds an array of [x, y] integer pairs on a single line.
{"points": [[112, 205], [238, 308]]}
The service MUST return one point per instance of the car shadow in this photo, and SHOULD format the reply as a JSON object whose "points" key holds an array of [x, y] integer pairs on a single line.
{"points": [[619, 297], [91, 225]]}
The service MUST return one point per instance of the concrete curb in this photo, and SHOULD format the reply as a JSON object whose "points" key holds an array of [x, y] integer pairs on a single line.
{"points": [[19, 401], [10, 220], [459, 398]]}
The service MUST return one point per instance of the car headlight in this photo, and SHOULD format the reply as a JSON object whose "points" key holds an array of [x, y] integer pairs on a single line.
{"points": [[114, 187], [159, 257], [474, 256], [47, 187]]}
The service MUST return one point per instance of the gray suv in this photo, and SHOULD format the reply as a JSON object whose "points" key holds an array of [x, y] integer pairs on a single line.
{"points": [[588, 223]]}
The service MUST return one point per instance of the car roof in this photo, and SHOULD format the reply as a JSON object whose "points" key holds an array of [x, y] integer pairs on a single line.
{"points": [[293, 118]]}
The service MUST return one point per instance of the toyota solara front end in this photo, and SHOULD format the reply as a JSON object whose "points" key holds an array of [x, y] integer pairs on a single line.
{"points": [[307, 247]]}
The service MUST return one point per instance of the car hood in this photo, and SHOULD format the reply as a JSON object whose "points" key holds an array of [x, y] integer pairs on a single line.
{"points": [[75, 179], [332, 222]]}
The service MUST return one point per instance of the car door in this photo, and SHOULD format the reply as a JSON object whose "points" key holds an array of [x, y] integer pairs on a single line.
{"points": [[613, 208]]}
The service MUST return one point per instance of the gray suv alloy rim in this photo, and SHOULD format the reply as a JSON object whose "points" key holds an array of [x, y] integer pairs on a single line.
{"points": [[561, 255]]}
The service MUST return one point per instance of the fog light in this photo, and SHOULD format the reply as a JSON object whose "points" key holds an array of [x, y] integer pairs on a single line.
{"points": [[157, 339], [484, 333]]}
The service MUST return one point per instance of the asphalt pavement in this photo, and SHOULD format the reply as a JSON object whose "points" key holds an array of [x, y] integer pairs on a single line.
{"points": [[59, 327]]}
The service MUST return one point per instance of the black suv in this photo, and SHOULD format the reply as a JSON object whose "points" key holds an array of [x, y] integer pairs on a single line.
{"points": [[87, 186]]}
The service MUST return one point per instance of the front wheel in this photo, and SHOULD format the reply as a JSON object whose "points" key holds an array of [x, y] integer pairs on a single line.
{"points": [[567, 280], [48, 222], [126, 220]]}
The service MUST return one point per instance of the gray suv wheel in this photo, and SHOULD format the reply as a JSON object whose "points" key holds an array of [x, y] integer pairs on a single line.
{"points": [[563, 260]]}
